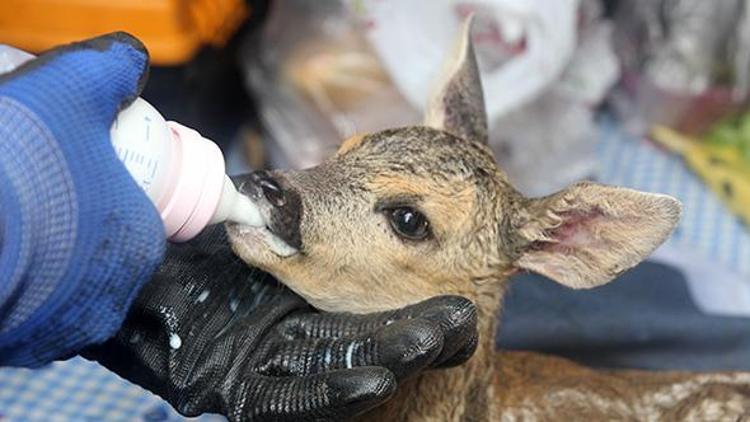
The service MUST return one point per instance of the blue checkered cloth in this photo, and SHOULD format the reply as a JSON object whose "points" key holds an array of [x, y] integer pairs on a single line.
{"points": [[706, 225], [710, 245], [79, 390]]}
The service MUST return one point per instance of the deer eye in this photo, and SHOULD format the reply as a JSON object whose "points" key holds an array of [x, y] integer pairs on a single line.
{"points": [[409, 223]]}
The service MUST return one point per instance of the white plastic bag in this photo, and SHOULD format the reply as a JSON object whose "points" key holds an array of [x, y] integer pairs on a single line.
{"points": [[411, 38], [544, 65]]}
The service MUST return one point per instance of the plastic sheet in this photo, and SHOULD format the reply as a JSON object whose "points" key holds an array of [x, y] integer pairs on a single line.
{"points": [[319, 84], [361, 65]]}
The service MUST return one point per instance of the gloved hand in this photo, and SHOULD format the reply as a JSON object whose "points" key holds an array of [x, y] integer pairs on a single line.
{"points": [[210, 334], [78, 237]]}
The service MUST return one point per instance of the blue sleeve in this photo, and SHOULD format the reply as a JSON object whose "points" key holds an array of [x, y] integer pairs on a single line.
{"points": [[78, 238]]}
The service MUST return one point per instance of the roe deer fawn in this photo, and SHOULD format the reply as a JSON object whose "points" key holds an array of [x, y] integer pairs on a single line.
{"points": [[405, 214]]}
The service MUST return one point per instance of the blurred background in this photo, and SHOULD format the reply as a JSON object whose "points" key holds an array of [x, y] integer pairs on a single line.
{"points": [[649, 94]]}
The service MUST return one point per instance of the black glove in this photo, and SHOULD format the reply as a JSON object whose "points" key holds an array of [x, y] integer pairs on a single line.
{"points": [[210, 334]]}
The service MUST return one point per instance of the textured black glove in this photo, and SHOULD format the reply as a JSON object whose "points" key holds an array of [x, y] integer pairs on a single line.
{"points": [[210, 334]]}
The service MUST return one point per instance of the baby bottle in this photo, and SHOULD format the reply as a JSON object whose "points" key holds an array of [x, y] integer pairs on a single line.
{"points": [[181, 172]]}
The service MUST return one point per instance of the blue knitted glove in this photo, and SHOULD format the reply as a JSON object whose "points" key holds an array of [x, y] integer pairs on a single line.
{"points": [[78, 237]]}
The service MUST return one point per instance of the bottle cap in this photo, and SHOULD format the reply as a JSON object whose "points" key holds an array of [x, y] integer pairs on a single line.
{"points": [[195, 184]]}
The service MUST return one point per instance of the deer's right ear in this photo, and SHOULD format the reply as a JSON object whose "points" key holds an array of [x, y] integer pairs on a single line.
{"points": [[588, 234], [457, 105]]}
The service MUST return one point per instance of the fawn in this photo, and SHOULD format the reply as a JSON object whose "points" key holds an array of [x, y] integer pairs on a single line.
{"points": [[405, 214]]}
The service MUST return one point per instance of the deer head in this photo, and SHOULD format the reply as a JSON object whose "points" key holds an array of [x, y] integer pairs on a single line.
{"points": [[405, 214]]}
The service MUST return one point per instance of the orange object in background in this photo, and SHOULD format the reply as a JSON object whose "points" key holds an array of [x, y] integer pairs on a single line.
{"points": [[173, 30]]}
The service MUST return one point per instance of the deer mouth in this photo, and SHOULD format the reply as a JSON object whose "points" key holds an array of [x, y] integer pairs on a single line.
{"points": [[257, 236], [280, 209]]}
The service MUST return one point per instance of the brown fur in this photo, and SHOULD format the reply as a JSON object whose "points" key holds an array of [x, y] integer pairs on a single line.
{"points": [[483, 231]]}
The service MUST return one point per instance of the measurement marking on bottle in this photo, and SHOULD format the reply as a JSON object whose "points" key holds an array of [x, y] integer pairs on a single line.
{"points": [[148, 127], [153, 166]]}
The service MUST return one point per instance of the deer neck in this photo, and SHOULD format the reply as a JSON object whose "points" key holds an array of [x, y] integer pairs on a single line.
{"points": [[463, 393]]}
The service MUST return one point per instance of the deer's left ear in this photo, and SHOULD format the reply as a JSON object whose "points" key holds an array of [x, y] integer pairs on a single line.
{"points": [[457, 105], [588, 234]]}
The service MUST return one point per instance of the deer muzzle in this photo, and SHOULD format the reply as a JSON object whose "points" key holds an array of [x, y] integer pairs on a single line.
{"points": [[279, 202]]}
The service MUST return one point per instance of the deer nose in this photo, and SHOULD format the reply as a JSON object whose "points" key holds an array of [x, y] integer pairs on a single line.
{"points": [[273, 193], [284, 201]]}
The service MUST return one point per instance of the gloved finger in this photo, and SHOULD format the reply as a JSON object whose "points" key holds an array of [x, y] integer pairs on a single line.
{"points": [[462, 355], [337, 395], [345, 324], [456, 316], [403, 347], [96, 77]]}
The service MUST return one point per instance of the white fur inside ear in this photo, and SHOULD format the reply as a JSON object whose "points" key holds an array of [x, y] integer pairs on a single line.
{"points": [[457, 104], [435, 112], [588, 234], [577, 230]]}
